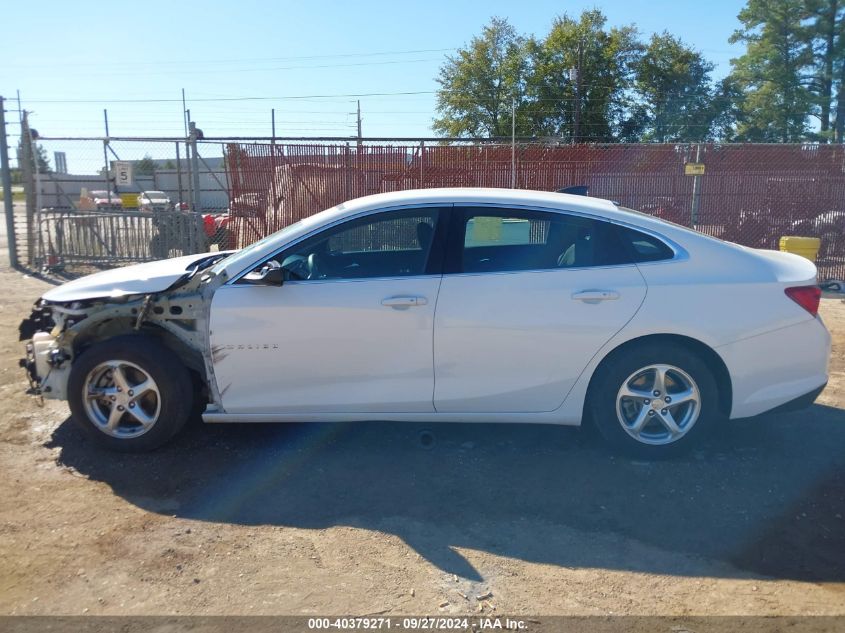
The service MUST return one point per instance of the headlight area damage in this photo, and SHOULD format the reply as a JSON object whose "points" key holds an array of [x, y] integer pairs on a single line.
{"points": [[57, 333]]}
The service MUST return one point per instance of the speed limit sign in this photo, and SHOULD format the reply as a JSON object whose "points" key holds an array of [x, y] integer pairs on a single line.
{"points": [[122, 172]]}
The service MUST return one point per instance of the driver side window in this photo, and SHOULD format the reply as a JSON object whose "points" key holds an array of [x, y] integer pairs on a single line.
{"points": [[391, 244]]}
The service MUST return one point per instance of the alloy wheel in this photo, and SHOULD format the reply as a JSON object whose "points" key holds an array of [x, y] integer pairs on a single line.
{"points": [[121, 399], [658, 404]]}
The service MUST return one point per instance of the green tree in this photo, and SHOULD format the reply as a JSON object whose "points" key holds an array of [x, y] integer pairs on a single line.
{"points": [[479, 83], [673, 81], [146, 166], [727, 114], [607, 60], [40, 155], [828, 44], [772, 74]]}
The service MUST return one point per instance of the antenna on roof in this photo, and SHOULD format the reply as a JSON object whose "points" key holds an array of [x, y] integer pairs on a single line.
{"points": [[577, 190]]}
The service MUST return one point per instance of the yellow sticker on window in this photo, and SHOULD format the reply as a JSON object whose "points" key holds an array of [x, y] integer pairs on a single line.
{"points": [[486, 229]]}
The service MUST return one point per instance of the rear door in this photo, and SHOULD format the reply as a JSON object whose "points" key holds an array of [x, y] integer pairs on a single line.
{"points": [[527, 299]]}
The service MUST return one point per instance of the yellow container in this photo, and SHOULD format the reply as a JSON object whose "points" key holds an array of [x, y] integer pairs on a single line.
{"points": [[130, 200], [804, 246]]}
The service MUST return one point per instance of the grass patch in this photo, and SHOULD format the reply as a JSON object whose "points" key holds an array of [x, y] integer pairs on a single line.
{"points": [[17, 196]]}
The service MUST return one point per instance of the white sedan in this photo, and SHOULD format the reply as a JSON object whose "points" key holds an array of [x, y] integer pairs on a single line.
{"points": [[441, 305], [154, 201]]}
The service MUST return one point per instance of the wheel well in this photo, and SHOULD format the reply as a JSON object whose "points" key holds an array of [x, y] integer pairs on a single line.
{"points": [[120, 327], [703, 351]]}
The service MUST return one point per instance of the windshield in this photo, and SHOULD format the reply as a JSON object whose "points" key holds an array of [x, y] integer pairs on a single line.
{"points": [[245, 254], [155, 194]]}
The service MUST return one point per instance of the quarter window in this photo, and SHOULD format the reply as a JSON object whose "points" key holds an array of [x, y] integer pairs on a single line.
{"points": [[497, 240], [644, 248]]}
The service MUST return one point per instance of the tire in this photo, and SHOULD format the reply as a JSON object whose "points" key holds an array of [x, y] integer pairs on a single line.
{"points": [[693, 406], [117, 367]]}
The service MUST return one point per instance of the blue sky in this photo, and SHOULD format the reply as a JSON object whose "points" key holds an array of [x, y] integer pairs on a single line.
{"points": [[111, 53]]}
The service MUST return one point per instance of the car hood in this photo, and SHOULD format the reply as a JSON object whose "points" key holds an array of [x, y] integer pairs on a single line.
{"points": [[129, 280]]}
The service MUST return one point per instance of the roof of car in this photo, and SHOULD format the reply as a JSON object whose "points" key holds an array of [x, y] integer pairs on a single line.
{"points": [[476, 194]]}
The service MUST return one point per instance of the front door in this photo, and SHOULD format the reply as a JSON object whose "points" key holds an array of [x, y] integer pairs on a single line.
{"points": [[349, 331]]}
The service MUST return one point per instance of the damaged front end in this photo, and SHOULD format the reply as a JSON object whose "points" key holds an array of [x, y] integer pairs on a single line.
{"points": [[57, 332], [46, 361]]}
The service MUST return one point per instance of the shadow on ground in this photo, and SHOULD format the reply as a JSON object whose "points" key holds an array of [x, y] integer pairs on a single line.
{"points": [[765, 497]]}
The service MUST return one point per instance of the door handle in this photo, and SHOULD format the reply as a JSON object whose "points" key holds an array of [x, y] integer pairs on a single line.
{"points": [[594, 296], [404, 301]]}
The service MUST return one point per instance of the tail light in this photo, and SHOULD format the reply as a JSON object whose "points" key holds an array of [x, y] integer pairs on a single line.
{"points": [[807, 297]]}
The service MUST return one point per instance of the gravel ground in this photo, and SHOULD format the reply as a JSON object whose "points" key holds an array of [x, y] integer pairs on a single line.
{"points": [[360, 519]]}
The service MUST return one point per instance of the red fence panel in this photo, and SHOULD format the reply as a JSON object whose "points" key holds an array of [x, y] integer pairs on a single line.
{"points": [[750, 194]]}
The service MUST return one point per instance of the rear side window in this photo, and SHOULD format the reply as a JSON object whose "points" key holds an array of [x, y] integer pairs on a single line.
{"points": [[643, 247], [502, 240]]}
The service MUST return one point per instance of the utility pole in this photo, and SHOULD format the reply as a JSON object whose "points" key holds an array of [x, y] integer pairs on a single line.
{"points": [[360, 138], [359, 154], [8, 203], [185, 115], [106, 169], [576, 136]]}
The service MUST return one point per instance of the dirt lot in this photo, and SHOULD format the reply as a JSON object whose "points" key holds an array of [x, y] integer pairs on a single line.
{"points": [[360, 519]]}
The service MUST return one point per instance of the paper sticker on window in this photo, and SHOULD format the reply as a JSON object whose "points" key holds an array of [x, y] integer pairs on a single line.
{"points": [[485, 230]]}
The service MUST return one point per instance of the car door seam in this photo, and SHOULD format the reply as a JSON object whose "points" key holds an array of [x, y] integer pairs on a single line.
{"points": [[608, 341]]}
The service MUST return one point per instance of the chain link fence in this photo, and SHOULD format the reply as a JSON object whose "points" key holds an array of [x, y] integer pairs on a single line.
{"points": [[226, 193]]}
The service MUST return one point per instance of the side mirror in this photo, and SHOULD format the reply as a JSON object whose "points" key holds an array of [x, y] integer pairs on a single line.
{"points": [[270, 274]]}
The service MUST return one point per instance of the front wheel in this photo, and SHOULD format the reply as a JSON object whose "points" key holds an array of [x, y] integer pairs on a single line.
{"points": [[129, 393], [654, 401]]}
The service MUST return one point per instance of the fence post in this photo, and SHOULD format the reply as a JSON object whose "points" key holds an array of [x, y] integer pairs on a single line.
{"points": [[179, 175], [696, 190], [273, 186], [348, 162], [8, 202], [195, 167], [513, 143], [422, 153], [29, 187], [190, 187]]}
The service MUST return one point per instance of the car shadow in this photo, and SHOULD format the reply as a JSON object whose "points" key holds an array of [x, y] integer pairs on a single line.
{"points": [[764, 497]]}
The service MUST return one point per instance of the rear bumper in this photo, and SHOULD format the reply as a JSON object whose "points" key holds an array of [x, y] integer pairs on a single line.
{"points": [[784, 368], [801, 402]]}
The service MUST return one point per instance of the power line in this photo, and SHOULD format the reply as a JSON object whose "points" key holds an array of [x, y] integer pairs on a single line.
{"points": [[237, 60], [217, 71], [223, 99]]}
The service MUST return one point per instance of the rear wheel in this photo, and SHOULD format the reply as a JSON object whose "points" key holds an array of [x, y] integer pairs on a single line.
{"points": [[654, 401], [130, 393]]}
